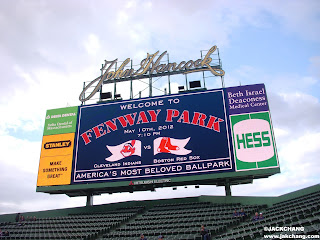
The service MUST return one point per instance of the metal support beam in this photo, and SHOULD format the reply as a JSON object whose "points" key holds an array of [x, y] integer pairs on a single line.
{"points": [[131, 89], [186, 81], [89, 200], [169, 83], [227, 188], [220, 64], [101, 84], [150, 86], [203, 78], [115, 83], [84, 86]]}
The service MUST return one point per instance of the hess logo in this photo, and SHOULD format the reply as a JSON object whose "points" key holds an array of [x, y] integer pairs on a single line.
{"points": [[253, 141]]}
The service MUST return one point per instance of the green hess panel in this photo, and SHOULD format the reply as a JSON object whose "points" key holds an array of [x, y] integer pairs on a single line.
{"points": [[61, 120], [253, 141]]}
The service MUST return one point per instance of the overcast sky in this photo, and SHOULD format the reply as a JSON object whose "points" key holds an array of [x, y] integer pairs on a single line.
{"points": [[49, 48]]}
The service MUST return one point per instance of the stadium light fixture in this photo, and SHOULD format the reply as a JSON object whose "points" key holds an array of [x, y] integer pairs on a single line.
{"points": [[117, 96], [105, 95], [195, 84], [181, 88]]}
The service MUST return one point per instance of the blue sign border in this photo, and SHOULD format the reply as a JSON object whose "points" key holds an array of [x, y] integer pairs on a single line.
{"points": [[210, 103]]}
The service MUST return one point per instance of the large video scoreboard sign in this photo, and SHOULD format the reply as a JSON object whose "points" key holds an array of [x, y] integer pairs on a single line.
{"points": [[160, 138], [155, 137]]}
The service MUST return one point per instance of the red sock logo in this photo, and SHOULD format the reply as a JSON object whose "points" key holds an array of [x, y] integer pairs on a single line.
{"points": [[165, 145]]}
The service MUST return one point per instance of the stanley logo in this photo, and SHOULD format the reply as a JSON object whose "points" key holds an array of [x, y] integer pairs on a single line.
{"points": [[59, 144]]}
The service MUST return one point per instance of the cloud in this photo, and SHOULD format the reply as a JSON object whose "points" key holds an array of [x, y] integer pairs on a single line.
{"points": [[292, 16], [315, 66], [300, 18], [43, 89], [92, 44], [295, 112], [20, 154]]}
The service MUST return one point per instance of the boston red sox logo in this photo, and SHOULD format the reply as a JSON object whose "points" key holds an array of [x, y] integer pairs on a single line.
{"points": [[171, 145], [166, 146]]}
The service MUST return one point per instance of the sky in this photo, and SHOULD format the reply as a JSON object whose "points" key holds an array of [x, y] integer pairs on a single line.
{"points": [[50, 48]]}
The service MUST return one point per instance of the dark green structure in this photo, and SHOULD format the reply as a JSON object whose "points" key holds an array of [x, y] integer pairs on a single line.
{"points": [[176, 218]]}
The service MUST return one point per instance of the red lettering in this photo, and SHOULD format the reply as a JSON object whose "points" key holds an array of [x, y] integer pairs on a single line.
{"points": [[124, 120], [198, 117], [154, 115], [86, 136], [184, 117], [142, 118], [111, 125], [98, 130], [213, 123], [171, 113]]}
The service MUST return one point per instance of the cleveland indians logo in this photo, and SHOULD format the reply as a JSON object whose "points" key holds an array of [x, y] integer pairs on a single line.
{"points": [[128, 149], [123, 150]]}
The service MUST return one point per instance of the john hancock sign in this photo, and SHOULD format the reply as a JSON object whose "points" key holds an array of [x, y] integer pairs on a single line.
{"points": [[149, 66]]}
